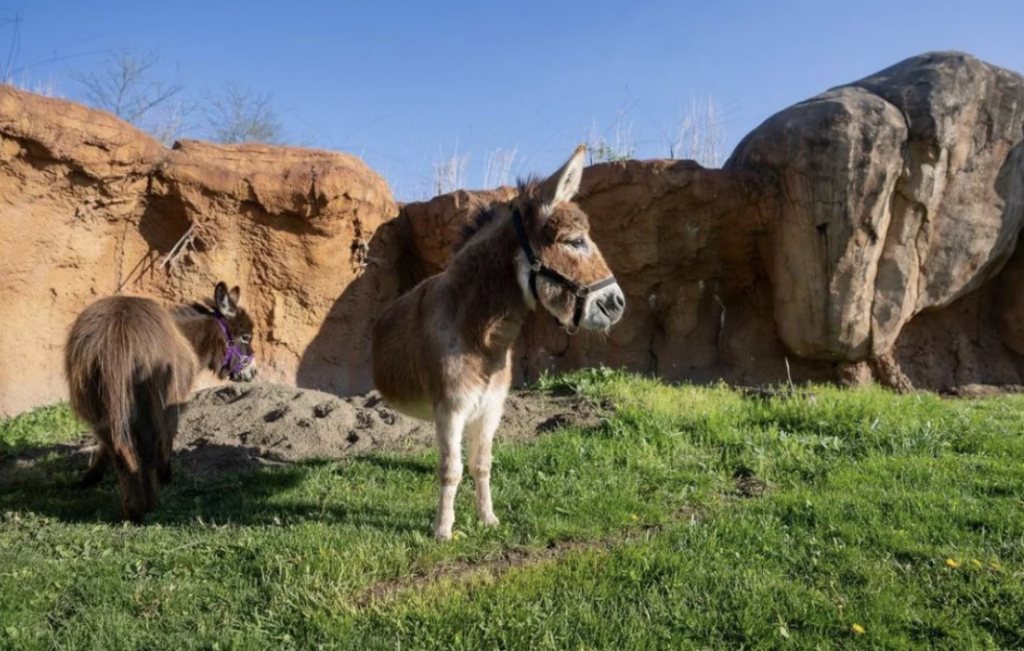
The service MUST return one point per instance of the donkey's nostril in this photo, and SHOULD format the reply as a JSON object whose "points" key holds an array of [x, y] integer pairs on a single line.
{"points": [[612, 305]]}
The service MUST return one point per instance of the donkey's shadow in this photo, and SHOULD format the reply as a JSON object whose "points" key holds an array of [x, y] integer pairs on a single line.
{"points": [[212, 484]]}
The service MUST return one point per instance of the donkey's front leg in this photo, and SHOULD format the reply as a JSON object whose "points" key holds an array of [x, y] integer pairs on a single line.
{"points": [[481, 439], [449, 446]]}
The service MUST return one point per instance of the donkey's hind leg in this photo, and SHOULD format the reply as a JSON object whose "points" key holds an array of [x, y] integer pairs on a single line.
{"points": [[449, 445], [135, 490], [97, 466], [166, 429], [481, 438]]}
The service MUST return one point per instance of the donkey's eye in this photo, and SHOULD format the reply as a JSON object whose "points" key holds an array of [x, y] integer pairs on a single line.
{"points": [[579, 243], [245, 339]]}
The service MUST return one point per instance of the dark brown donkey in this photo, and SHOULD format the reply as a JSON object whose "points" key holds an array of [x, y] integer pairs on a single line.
{"points": [[443, 351], [130, 365]]}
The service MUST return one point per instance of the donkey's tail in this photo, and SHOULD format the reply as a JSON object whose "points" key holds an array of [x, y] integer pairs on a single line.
{"points": [[116, 370]]}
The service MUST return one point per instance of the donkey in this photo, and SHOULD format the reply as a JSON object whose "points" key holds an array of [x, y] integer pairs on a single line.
{"points": [[130, 365], [443, 351]]}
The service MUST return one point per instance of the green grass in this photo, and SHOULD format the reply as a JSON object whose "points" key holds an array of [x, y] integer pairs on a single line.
{"points": [[902, 515], [44, 426]]}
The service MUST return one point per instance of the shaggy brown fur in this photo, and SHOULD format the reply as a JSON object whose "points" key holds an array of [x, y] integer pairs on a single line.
{"points": [[130, 365], [442, 351]]}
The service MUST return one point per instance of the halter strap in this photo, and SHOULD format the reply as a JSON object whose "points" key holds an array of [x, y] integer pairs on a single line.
{"points": [[580, 292], [234, 359]]}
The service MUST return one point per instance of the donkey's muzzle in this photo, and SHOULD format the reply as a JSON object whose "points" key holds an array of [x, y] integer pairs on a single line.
{"points": [[605, 308], [247, 374], [613, 304]]}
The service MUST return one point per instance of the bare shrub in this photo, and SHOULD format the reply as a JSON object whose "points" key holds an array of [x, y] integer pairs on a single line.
{"points": [[240, 114], [700, 135], [450, 172], [498, 167]]}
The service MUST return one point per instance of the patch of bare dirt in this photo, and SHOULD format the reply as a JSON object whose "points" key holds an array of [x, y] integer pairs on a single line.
{"points": [[983, 390], [493, 568], [488, 569], [242, 427], [749, 486]]}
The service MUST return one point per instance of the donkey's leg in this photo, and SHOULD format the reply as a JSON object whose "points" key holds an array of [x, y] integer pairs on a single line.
{"points": [[97, 467], [481, 437], [449, 445], [166, 430], [134, 490]]}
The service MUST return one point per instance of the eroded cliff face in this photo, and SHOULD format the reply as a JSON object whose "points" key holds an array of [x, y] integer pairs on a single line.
{"points": [[90, 206], [870, 231]]}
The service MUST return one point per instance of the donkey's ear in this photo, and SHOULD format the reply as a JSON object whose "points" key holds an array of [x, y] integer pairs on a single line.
{"points": [[565, 183], [225, 301]]}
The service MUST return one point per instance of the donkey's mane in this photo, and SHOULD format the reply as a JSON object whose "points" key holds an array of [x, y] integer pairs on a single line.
{"points": [[485, 215], [203, 308], [194, 309]]}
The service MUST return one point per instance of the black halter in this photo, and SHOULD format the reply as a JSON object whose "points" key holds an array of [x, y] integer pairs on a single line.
{"points": [[537, 269]]}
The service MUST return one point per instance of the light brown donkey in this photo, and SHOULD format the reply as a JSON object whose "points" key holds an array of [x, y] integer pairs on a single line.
{"points": [[130, 365], [443, 351]]}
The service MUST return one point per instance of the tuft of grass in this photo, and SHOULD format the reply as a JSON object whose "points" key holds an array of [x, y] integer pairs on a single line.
{"points": [[887, 522], [43, 426]]}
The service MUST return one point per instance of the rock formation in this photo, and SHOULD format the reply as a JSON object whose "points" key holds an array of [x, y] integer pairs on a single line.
{"points": [[90, 206], [871, 231]]}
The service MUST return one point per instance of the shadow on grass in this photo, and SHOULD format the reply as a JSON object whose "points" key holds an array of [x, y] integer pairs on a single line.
{"points": [[43, 481], [418, 466]]}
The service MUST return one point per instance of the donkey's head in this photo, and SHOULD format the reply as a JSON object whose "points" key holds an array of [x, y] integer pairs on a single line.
{"points": [[237, 326], [560, 266]]}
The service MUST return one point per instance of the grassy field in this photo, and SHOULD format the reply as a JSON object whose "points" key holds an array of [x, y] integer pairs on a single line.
{"points": [[693, 518]]}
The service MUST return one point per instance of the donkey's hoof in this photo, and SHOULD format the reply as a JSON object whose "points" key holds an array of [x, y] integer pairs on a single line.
{"points": [[442, 533], [490, 520], [136, 519], [90, 480], [165, 475]]}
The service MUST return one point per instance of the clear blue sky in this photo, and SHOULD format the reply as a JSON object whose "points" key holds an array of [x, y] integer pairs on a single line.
{"points": [[399, 83]]}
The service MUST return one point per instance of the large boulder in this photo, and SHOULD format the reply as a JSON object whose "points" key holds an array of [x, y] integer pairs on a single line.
{"points": [[90, 206], [835, 160], [898, 194]]}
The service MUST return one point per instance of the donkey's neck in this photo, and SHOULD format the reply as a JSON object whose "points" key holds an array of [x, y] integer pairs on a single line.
{"points": [[205, 336], [489, 304]]}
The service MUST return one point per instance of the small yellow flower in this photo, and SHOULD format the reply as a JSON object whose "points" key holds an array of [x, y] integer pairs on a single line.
{"points": [[975, 562], [635, 517], [952, 564], [457, 535], [858, 629]]}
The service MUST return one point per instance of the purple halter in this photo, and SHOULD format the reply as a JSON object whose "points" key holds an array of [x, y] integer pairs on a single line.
{"points": [[234, 359]]}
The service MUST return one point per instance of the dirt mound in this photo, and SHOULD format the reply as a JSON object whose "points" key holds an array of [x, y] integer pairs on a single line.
{"points": [[237, 427], [247, 426], [244, 427]]}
